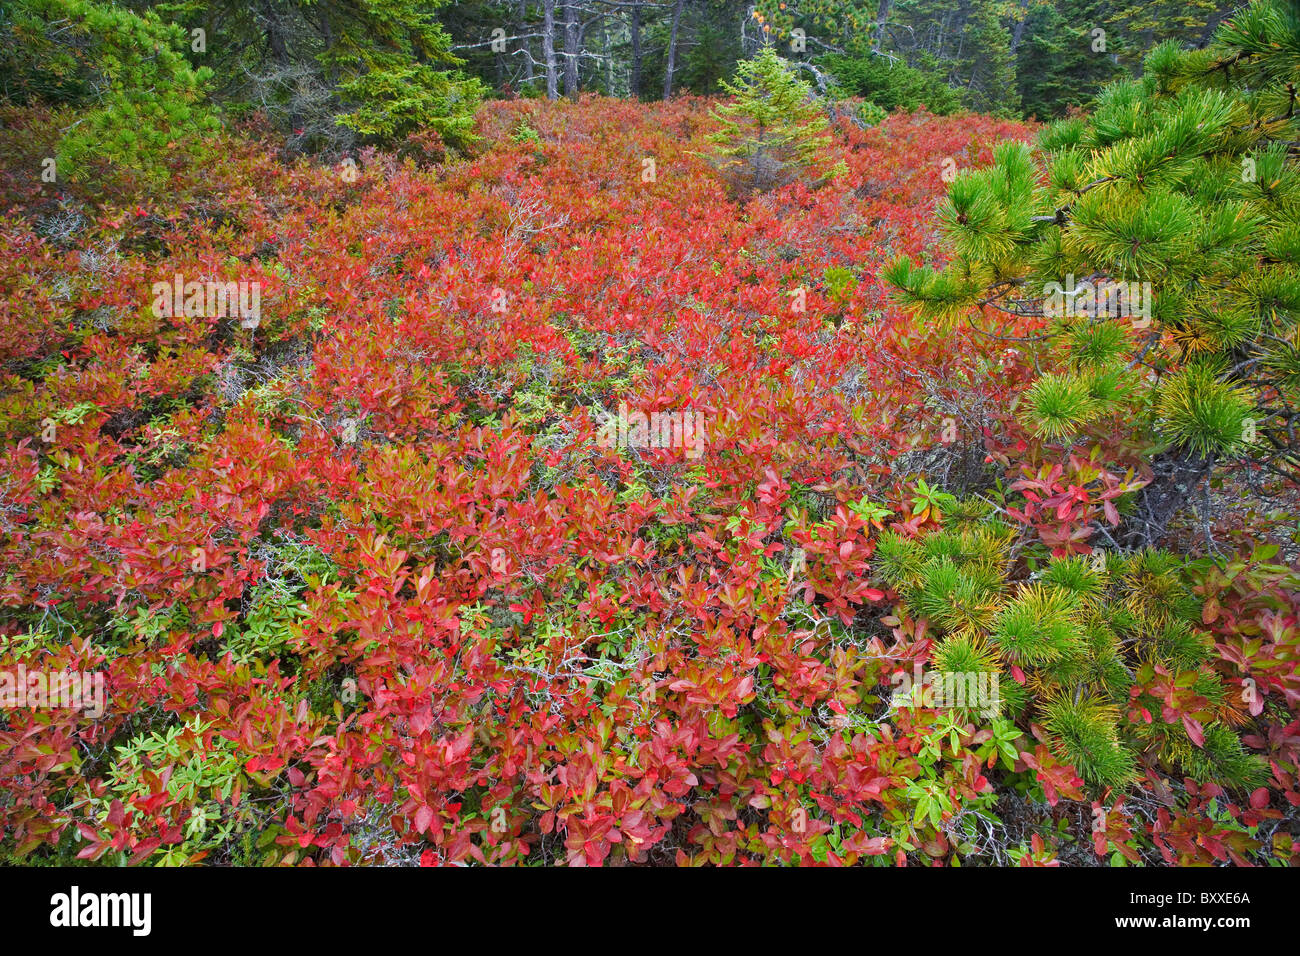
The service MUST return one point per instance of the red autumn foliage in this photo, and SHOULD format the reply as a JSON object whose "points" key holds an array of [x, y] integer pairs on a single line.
{"points": [[370, 588]]}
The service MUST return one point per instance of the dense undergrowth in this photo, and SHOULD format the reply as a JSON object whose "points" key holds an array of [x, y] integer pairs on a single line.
{"points": [[369, 585]]}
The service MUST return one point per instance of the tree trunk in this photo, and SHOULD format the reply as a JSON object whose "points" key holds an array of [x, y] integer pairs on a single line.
{"points": [[548, 48], [275, 38], [672, 50], [277, 43], [635, 82], [327, 37], [523, 42], [571, 49], [1018, 34], [1175, 480], [609, 58], [882, 16]]}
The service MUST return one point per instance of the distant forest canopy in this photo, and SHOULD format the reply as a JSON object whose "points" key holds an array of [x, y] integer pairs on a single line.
{"points": [[331, 76], [1011, 57]]}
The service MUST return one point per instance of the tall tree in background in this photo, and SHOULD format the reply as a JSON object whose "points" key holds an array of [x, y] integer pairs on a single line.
{"points": [[523, 46], [1145, 24], [1059, 62], [989, 75], [992, 53], [634, 82], [548, 49], [968, 43], [617, 47], [672, 49], [711, 51]]}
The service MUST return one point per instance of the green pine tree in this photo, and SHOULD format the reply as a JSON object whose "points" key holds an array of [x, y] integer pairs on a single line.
{"points": [[1146, 23], [329, 72], [967, 44], [394, 58], [138, 101], [1078, 634], [891, 84]]}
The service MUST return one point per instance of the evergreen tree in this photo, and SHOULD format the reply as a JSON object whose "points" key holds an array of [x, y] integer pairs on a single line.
{"points": [[329, 71], [139, 99], [713, 50], [967, 44], [1078, 635], [989, 76], [1056, 63], [1145, 24], [774, 129], [891, 84]]}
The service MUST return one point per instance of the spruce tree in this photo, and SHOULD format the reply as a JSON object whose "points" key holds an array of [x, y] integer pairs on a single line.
{"points": [[1056, 63], [773, 131], [395, 59], [967, 44], [990, 74], [328, 72], [891, 84]]}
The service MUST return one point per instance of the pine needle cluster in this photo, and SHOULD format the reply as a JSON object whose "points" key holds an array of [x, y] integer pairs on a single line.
{"points": [[1080, 631]]}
